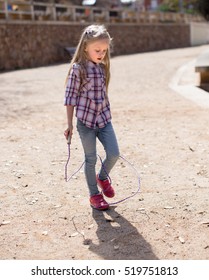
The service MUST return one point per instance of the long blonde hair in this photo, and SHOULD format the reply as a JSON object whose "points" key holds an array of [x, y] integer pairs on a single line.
{"points": [[90, 34]]}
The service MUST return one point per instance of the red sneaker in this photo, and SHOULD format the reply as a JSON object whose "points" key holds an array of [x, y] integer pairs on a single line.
{"points": [[97, 202], [107, 189]]}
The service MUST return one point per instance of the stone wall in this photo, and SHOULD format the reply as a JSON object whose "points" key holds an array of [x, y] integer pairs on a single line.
{"points": [[25, 45], [199, 33]]}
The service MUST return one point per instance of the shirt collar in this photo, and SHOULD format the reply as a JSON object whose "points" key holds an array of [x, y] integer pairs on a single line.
{"points": [[92, 64]]}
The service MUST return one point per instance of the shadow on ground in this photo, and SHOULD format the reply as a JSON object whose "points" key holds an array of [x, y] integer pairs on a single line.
{"points": [[118, 239]]}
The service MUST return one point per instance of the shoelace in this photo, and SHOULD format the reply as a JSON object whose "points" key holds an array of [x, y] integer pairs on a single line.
{"points": [[122, 157]]}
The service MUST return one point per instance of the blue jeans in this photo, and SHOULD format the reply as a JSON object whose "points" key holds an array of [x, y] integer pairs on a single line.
{"points": [[106, 136]]}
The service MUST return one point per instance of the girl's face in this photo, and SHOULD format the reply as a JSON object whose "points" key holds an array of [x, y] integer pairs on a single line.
{"points": [[97, 50]]}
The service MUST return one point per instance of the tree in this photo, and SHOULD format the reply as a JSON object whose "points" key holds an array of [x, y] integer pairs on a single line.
{"points": [[171, 5], [202, 7], [186, 6]]}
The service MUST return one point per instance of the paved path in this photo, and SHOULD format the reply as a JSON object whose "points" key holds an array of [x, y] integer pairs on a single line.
{"points": [[163, 133]]}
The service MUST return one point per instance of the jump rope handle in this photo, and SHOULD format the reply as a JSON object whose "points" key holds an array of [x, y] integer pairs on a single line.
{"points": [[69, 139]]}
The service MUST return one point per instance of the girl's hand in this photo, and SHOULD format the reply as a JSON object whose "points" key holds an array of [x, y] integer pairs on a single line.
{"points": [[68, 133]]}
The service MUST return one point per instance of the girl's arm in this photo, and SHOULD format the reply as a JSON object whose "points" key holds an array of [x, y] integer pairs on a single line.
{"points": [[69, 130], [71, 94]]}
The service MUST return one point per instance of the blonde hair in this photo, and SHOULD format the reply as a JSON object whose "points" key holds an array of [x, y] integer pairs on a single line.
{"points": [[90, 34]]}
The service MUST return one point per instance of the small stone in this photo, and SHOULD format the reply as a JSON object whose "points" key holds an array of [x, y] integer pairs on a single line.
{"points": [[5, 223], [168, 207], [181, 239], [74, 234]]}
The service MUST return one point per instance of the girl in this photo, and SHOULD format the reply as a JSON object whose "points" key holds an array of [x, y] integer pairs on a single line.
{"points": [[86, 89]]}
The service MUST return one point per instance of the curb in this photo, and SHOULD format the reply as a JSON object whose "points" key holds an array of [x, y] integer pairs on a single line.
{"points": [[188, 89]]}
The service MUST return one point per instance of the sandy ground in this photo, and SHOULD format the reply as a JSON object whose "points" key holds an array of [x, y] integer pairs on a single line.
{"points": [[164, 135]]}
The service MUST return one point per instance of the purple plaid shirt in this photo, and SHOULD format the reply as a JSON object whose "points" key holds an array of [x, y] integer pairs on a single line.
{"points": [[90, 99]]}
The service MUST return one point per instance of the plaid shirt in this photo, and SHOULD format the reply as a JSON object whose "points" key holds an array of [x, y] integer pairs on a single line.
{"points": [[90, 99]]}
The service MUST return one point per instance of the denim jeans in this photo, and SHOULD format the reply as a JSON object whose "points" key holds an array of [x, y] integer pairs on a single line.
{"points": [[106, 136]]}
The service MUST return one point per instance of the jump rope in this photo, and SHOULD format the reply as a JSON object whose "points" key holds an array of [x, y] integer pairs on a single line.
{"points": [[123, 158]]}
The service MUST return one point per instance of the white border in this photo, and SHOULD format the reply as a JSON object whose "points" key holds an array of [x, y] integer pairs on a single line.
{"points": [[187, 269]]}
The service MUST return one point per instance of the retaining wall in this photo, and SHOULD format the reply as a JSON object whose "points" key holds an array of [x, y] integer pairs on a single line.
{"points": [[199, 33], [25, 45]]}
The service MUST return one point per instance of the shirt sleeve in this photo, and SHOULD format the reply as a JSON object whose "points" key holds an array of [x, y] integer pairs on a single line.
{"points": [[73, 86]]}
